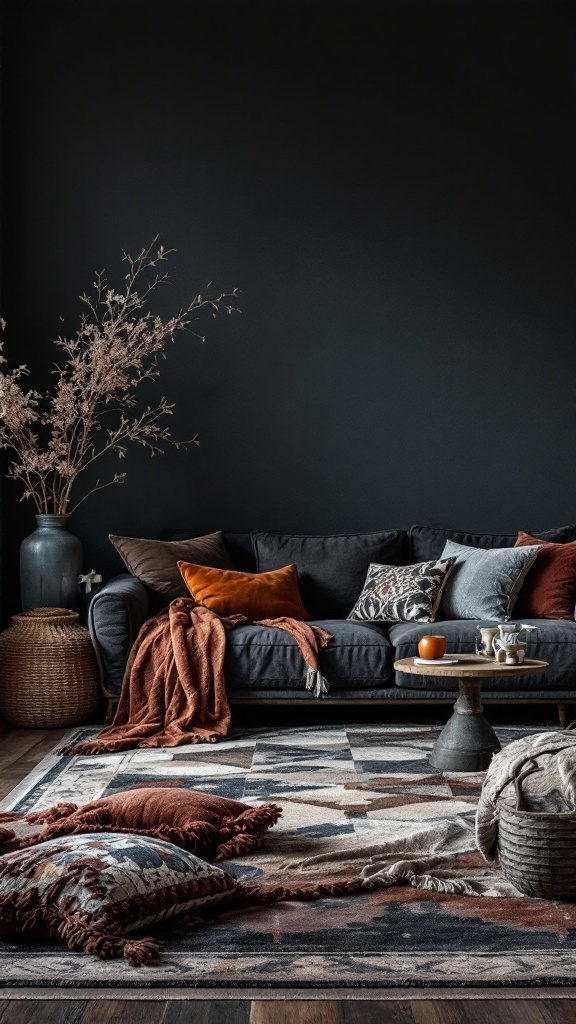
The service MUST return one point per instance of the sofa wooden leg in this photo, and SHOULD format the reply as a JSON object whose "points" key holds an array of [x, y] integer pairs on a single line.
{"points": [[562, 714], [111, 709]]}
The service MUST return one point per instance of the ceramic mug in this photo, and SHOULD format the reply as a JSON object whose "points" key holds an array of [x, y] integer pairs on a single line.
{"points": [[485, 642]]}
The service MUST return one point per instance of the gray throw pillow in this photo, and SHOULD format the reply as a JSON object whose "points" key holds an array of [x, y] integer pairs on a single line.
{"points": [[155, 562], [402, 593], [484, 584]]}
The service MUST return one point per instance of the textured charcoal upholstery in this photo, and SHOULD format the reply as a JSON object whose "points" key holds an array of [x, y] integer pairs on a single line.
{"points": [[449, 692], [116, 614], [427, 542], [332, 570], [555, 642], [359, 656]]}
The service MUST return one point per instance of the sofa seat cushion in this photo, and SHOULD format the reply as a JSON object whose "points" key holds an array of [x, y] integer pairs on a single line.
{"points": [[358, 656], [554, 642]]}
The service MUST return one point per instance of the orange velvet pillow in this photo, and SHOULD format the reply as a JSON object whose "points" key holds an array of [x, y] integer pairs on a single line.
{"points": [[549, 590], [258, 595]]}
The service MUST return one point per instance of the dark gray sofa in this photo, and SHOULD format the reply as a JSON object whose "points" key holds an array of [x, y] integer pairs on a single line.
{"points": [[264, 664]]}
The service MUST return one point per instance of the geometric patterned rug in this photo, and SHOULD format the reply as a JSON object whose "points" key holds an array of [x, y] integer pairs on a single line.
{"points": [[339, 787]]}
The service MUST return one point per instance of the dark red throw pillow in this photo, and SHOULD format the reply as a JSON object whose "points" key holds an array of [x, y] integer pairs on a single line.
{"points": [[209, 826], [549, 590]]}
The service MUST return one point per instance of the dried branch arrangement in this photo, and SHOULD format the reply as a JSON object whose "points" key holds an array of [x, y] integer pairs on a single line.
{"points": [[92, 409]]}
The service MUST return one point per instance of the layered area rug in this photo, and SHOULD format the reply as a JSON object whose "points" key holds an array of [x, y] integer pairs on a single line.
{"points": [[351, 797]]}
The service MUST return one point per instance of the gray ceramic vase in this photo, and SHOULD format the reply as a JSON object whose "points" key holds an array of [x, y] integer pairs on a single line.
{"points": [[50, 565]]}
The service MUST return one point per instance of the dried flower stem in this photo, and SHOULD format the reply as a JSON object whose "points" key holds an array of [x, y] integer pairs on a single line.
{"points": [[88, 413]]}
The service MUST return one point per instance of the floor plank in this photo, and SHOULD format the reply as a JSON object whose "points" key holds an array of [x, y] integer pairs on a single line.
{"points": [[489, 1011], [15, 742], [112, 1011], [377, 1012], [438, 1011], [231, 1011], [21, 750], [297, 1012], [43, 1011], [559, 1011]]}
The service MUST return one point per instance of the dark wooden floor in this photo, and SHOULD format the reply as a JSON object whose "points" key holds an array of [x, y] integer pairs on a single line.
{"points": [[22, 749], [517, 1011]]}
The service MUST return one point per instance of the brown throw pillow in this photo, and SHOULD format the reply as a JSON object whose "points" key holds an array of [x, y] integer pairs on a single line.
{"points": [[206, 825], [154, 562], [258, 595], [549, 590]]}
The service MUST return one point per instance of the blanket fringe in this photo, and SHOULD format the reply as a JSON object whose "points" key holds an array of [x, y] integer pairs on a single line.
{"points": [[95, 747], [317, 682]]}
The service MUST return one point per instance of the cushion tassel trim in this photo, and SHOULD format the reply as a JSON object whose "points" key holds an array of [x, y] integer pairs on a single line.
{"points": [[235, 836], [264, 895]]}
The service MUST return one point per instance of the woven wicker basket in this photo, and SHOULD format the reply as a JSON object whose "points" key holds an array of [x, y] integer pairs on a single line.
{"points": [[537, 850], [48, 671]]}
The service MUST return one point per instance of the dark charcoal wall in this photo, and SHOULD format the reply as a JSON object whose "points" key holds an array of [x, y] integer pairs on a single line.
{"points": [[390, 182]]}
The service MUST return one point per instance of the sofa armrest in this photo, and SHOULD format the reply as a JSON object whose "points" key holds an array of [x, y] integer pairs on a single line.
{"points": [[116, 614]]}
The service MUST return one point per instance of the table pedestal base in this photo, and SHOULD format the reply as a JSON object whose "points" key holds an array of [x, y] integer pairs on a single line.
{"points": [[467, 741]]}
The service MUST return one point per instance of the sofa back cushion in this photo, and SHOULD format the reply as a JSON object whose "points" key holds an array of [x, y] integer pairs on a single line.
{"points": [[427, 542], [238, 545], [331, 569]]}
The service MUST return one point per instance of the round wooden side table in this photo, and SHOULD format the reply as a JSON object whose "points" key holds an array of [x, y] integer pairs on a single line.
{"points": [[467, 741]]}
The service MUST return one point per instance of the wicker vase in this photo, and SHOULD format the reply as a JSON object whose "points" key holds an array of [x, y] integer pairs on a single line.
{"points": [[537, 849], [48, 672]]}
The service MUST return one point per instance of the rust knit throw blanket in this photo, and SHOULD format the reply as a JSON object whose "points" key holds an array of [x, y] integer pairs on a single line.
{"points": [[174, 689]]}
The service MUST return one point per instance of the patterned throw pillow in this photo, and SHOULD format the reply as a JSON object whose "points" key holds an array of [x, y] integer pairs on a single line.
{"points": [[209, 826], [405, 593], [93, 890], [97, 892]]}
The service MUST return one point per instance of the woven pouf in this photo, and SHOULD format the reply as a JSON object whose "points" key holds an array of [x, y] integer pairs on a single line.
{"points": [[48, 671]]}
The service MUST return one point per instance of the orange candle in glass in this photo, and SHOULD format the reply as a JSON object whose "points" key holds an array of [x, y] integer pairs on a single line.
{"points": [[432, 647]]}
